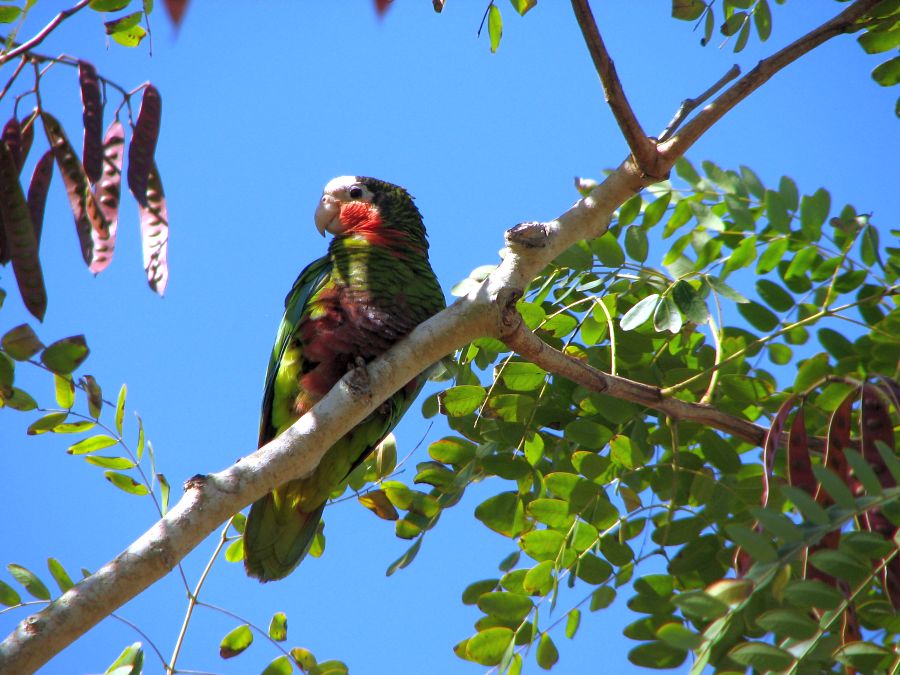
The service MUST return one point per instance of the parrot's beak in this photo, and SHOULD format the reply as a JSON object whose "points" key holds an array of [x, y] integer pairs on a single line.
{"points": [[328, 215]]}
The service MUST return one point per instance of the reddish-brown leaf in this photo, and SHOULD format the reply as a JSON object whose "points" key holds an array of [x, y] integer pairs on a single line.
{"points": [[92, 116], [20, 236], [37, 193], [155, 233], [176, 9], [88, 217], [799, 468], [107, 193], [143, 144]]}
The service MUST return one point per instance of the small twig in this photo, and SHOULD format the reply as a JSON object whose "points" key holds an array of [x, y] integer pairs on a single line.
{"points": [[759, 75], [531, 347], [40, 37], [689, 105], [12, 79], [137, 630], [642, 148]]}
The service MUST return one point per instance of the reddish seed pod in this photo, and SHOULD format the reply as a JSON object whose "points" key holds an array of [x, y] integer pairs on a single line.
{"points": [[20, 236], [155, 233], [12, 136], [143, 144], [92, 116], [175, 9], [27, 126], [107, 194], [799, 467], [89, 220], [37, 193]]}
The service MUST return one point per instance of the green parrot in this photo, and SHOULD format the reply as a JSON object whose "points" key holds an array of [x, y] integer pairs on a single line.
{"points": [[371, 289]]}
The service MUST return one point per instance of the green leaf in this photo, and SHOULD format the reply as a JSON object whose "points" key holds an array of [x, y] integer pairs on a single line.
{"points": [[864, 657], [235, 642], [788, 623], [777, 212], [587, 434], [687, 10], [452, 450], [506, 606], [762, 19], [8, 14], [503, 513], [813, 594], [759, 317], [657, 655], [164, 492], [478, 588], [606, 247], [667, 317], [887, 74], [406, 558], [92, 444], [64, 356], [280, 666], [814, 211], [724, 289], [109, 5], [523, 6], [552, 512], [62, 578], [65, 391], [655, 210], [95, 395], [235, 551], [278, 627], [123, 23], [773, 254], [743, 255], [547, 654], [542, 544], [19, 400], [118, 463], [638, 315], [29, 580], [46, 423], [811, 372], [7, 370], [774, 295], [752, 542], [689, 302], [495, 27], [21, 343], [488, 646], [636, 243], [602, 598], [522, 376], [120, 408], [539, 578], [840, 565], [462, 400], [592, 569], [8, 595], [679, 636], [761, 656], [126, 483], [129, 662], [573, 620]]}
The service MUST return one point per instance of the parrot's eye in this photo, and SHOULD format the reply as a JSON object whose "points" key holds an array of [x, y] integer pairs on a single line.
{"points": [[356, 192]]}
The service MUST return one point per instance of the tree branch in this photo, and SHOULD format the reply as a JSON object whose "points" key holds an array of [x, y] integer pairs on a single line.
{"points": [[40, 37], [689, 105], [764, 70], [642, 148]]}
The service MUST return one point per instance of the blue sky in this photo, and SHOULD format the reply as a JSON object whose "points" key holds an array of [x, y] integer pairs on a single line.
{"points": [[263, 103]]}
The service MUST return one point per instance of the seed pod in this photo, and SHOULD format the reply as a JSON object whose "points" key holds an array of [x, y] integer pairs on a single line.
{"points": [[143, 144], [176, 8], [88, 217], [20, 236], [27, 133], [92, 117], [37, 193], [12, 136], [107, 194], [155, 233]]}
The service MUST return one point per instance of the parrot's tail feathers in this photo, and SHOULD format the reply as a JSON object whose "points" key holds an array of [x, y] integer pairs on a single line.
{"points": [[276, 540]]}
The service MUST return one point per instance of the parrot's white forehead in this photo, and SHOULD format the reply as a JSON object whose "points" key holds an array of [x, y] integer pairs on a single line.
{"points": [[340, 183]]}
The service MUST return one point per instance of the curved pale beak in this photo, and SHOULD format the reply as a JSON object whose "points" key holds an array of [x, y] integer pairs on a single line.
{"points": [[328, 215]]}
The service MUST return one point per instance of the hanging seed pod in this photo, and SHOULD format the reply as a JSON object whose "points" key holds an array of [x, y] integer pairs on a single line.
{"points": [[107, 193], [37, 193], [12, 136], [92, 116], [155, 233], [799, 468], [20, 236], [88, 217], [27, 134], [143, 144], [175, 9]]}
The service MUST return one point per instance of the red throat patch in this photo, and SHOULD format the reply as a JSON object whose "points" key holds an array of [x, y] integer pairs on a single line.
{"points": [[363, 219]]}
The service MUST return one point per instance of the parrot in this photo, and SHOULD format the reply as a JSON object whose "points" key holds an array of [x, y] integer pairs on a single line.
{"points": [[374, 285]]}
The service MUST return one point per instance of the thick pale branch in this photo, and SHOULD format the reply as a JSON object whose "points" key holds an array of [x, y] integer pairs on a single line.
{"points": [[642, 148], [764, 70]]}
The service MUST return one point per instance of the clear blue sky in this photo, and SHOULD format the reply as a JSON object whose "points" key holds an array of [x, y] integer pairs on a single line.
{"points": [[263, 104]]}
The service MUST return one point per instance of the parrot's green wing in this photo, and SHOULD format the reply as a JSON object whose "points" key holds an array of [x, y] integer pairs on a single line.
{"points": [[274, 534]]}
